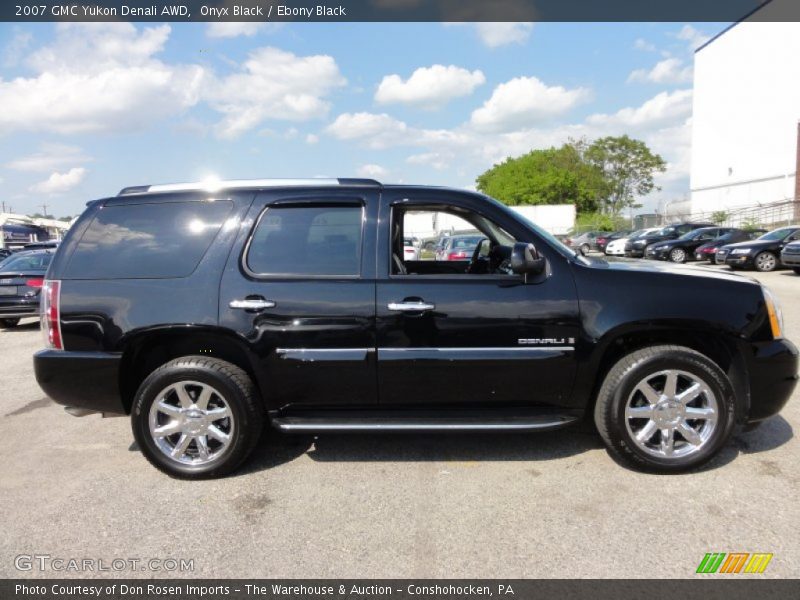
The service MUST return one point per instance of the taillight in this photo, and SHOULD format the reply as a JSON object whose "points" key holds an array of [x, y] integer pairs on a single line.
{"points": [[51, 314], [457, 255], [709, 250], [35, 283]]}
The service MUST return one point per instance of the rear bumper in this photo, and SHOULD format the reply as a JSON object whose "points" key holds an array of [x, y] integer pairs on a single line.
{"points": [[87, 380], [19, 309], [772, 369]]}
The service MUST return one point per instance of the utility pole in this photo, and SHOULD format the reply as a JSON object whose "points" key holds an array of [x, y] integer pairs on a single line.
{"points": [[4, 206], [797, 179], [44, 208]]}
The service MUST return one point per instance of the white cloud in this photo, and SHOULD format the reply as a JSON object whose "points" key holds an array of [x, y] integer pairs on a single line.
{"points": [[429, 86], [59, 183], [274, 84], [312, 139], [98, 77], [48, 158], [664, 108], [667, 71], [499, 34], [437, 160], [378, 130], [642, 44], [371, 170], [695, 37], [524, 101], [16, 47]]}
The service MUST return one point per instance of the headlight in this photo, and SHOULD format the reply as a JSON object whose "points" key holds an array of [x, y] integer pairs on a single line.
{"points": [[740, 251], [774, 312]]}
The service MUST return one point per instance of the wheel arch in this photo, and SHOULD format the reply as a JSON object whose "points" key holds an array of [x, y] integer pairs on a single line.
{"points": [[147, 350], [722, 349]]}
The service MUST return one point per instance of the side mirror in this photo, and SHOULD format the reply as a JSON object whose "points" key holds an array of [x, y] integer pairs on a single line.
{"points": [[526, 260]]}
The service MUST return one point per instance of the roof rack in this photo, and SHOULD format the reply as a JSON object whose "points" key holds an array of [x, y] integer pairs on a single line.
{"points": [[214, 185]]}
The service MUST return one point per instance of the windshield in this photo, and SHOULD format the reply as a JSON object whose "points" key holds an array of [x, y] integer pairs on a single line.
{"points": [[549, 237], [777, 234], [666, 231], [31, 262], [692, 235]]}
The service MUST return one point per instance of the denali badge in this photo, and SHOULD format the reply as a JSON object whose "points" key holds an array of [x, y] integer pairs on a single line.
{"points": [[543, 341]]}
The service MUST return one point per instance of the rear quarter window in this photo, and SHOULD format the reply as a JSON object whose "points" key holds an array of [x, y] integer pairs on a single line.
{"points": [[159, 240]]}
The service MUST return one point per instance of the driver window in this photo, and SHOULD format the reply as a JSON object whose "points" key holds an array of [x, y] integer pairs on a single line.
{"points": [[430, 241]]}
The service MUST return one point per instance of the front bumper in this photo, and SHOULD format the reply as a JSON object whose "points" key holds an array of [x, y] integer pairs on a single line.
{"points": [[87, 380], [742, 261], [772, 373], [634, 252]]}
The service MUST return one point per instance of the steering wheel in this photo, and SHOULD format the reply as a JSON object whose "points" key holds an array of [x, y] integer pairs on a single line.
{"points": [[478, 264]]}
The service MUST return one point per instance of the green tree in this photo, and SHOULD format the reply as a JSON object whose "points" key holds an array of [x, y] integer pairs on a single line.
{"points": [[718, 217], [551, 176], [628, 168]]}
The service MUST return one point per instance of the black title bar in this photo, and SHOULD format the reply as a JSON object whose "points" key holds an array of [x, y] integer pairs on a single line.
{"points": [[401, 10]]}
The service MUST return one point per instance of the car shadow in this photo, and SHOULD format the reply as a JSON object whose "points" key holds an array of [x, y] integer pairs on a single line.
{"points": [[26, 325], [276, 448], [790, 273]]}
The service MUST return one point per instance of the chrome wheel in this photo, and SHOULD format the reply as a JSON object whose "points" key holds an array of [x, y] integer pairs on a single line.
{"points": [[191, 423], [678, 255], [765, 261], [671, 414]]}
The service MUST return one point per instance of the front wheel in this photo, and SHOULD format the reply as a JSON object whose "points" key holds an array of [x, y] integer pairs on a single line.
{"points": [[677, 255], [665, 409], [9, 323], [197, 417], [765, 262]]}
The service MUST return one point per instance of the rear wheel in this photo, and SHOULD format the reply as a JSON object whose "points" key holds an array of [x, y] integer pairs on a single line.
{"points": [[677, 255], [197, 417], [665, 409], [9, 323], [765, 262], [796, 270]]}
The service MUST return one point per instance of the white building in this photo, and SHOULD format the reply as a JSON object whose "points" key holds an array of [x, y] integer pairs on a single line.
{"points": [[745, 131]]}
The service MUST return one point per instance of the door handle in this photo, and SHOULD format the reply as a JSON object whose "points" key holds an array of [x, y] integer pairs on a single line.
{"points": [[252, 304], [410, 306]]}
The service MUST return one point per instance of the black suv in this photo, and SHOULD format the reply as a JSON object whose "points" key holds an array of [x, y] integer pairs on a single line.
{"points": [[206, 313], [636, 248]]}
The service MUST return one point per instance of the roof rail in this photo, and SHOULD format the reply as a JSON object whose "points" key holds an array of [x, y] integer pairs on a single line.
{"points": [[214, 185]]}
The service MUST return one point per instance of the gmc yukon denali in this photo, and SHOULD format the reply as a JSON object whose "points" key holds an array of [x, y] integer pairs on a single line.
{"points": [[206, 312]]}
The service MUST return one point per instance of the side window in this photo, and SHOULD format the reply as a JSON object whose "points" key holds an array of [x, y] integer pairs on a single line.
{"points": [[158, 240], [794, 237], [307, 240]]}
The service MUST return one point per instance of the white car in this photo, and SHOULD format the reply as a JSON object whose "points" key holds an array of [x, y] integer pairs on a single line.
{"points": [[617, 247], [410, 250]]}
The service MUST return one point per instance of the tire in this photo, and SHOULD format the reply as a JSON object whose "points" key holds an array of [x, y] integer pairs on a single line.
{"points": [[765, 262], [677, 255], [796, 270], [9, 323], [620, 393], [229, 394], [585, 248]]}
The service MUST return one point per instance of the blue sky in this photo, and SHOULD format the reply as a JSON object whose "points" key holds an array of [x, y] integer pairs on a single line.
{"points": [[90, 108]]}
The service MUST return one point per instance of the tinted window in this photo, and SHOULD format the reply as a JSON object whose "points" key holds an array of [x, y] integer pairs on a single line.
{"points": [[147, 240], [307, 240]]}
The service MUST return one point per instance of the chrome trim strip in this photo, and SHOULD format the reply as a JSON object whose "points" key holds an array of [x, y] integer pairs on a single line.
{"points": [[388, 426], [487, 349], [510, 353], [323, 354], [216, 185]]}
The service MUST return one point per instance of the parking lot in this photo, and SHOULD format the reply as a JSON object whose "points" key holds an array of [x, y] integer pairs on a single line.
{"points": [[433, 505]]}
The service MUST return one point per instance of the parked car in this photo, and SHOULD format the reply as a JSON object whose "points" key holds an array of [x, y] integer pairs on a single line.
{"points": [[585, 241], [410, 251], [21, 279], [602, 240], [790, 256], [708, 251], [310, 320], [682, 249], [762, 254], [4, 253], [458, 247], [636, 248], [617, 247]]}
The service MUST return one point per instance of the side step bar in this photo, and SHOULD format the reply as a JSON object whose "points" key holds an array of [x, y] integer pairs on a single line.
{"points": [[392, 424]]}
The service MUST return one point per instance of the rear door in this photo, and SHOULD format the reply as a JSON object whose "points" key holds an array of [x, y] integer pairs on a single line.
{"points": [[299, 287]]}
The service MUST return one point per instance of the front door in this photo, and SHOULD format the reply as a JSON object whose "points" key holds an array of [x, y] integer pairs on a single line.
{"points": [[299, 287], [449, 334]]}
